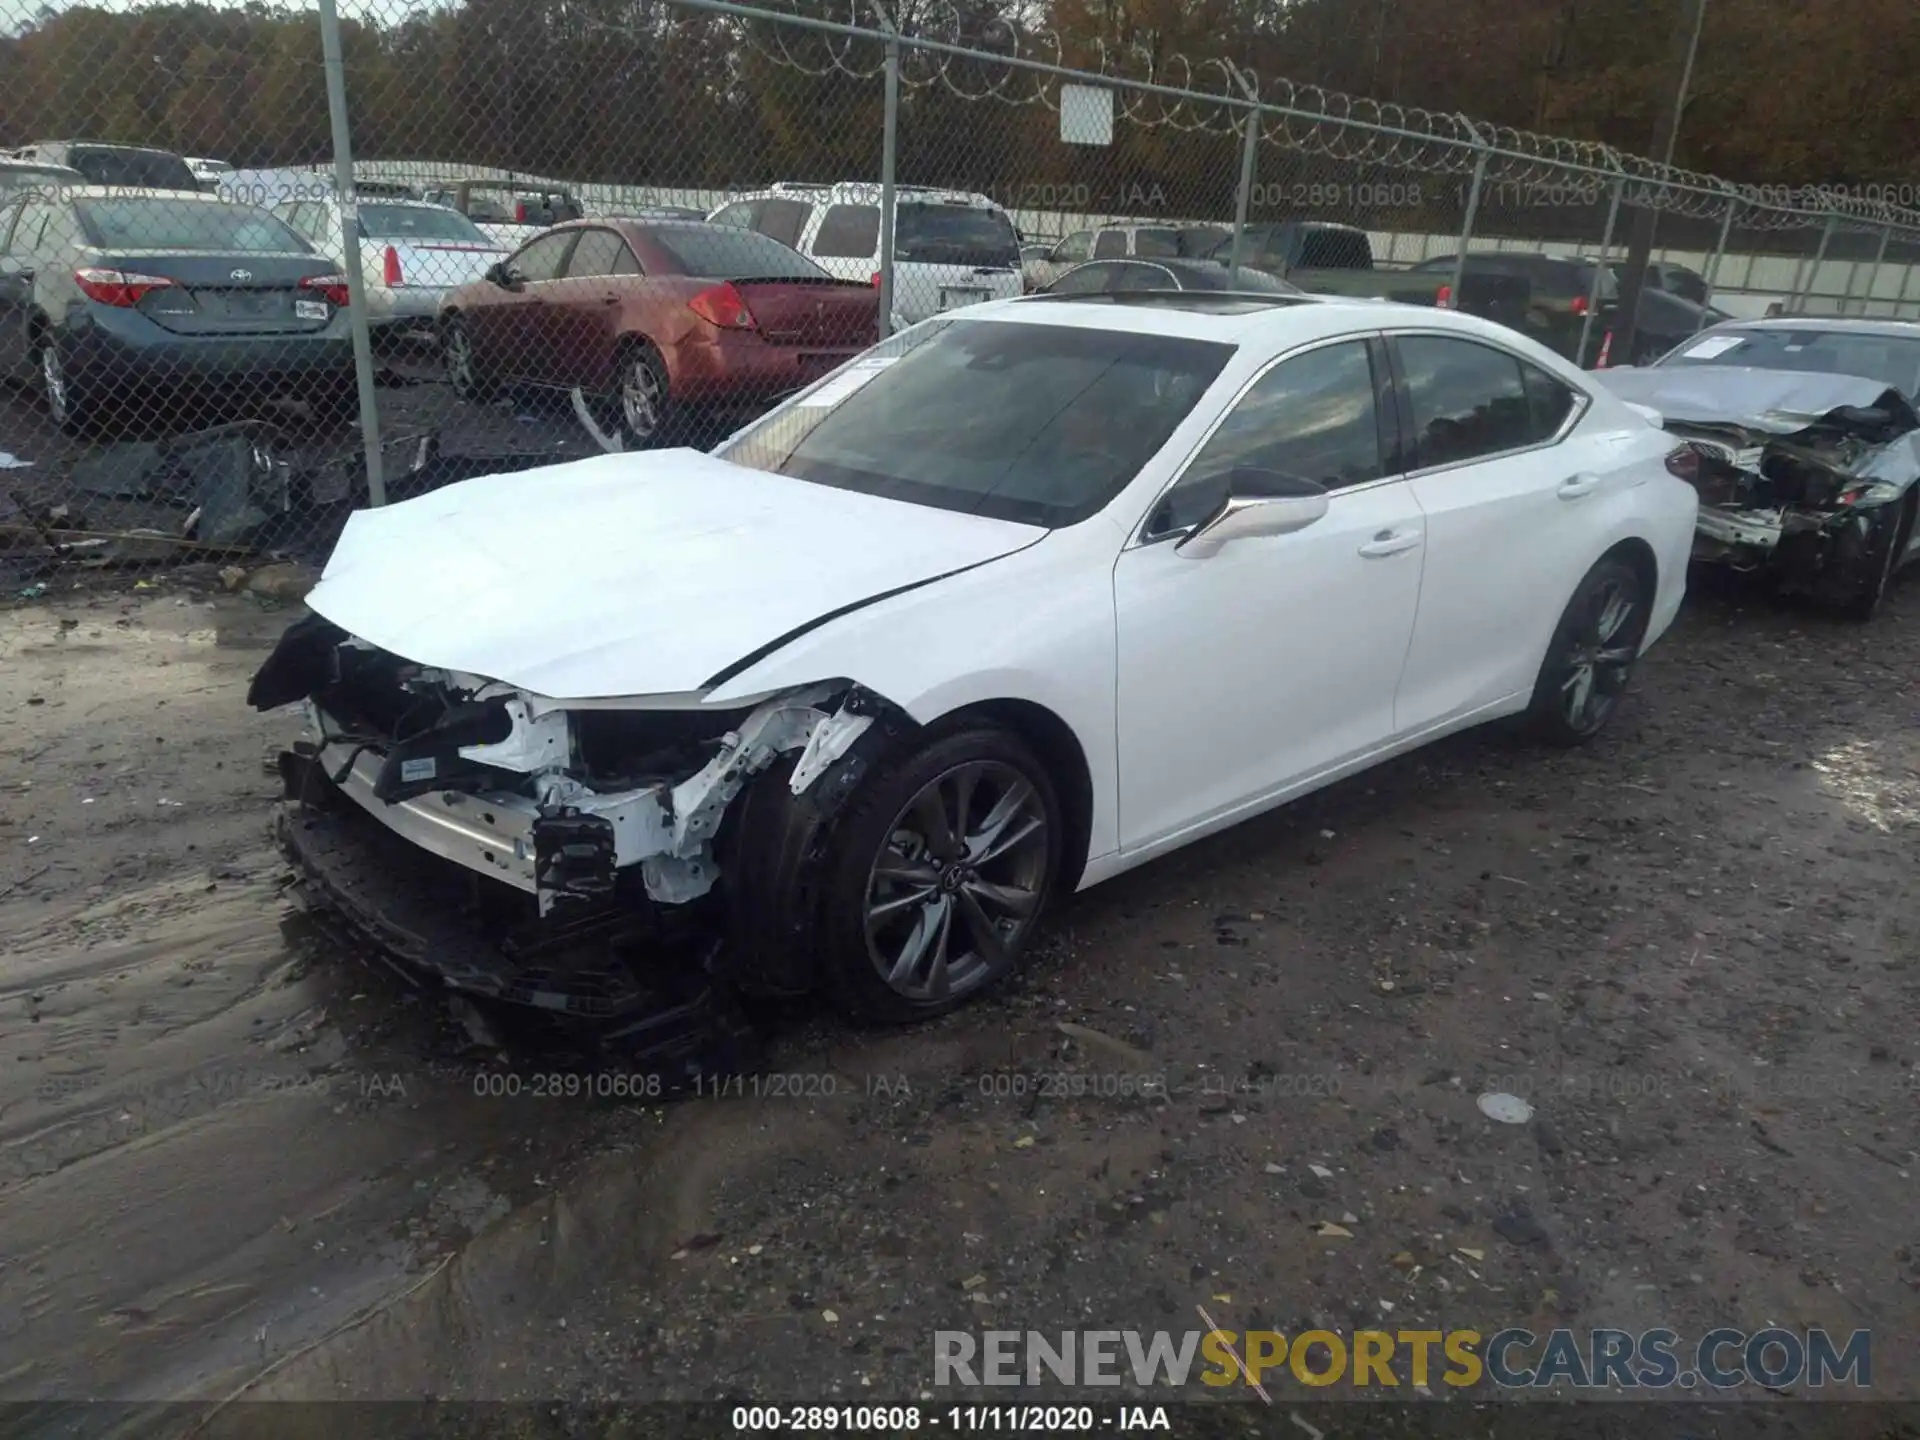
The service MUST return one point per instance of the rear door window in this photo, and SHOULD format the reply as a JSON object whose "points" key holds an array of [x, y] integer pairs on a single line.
{"points": [[598, 252], [1076, 248], [1468, 400], [848, 232], [1111, 245]]}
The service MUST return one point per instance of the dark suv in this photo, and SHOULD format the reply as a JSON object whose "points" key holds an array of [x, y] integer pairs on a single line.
{"points": [[1553, 306], [132, 166]]}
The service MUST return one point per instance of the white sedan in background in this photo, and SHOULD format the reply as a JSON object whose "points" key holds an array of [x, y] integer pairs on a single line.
{"points": [[1025, 596], [411, 254]]}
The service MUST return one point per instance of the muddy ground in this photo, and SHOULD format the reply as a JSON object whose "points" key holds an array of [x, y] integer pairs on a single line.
{"points": [[234, 1160]]}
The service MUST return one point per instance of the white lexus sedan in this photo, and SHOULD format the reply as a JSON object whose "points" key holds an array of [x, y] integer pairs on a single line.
{"points": [[1026, 596]]}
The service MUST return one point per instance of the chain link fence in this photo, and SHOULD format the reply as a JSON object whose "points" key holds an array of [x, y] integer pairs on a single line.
{"points": [[259, 266]]}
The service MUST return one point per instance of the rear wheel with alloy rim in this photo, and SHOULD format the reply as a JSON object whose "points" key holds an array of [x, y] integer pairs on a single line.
{"points": [[1592, 655], [68, 403], [941, 872], [464, 372], [644, 407]]}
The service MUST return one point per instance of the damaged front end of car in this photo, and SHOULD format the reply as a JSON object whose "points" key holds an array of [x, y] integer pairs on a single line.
{"points": [[565, 862], [1805, 478]]}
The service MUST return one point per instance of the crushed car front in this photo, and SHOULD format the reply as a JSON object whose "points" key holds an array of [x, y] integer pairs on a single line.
{"points": [[505, 689], [1804, 473]]}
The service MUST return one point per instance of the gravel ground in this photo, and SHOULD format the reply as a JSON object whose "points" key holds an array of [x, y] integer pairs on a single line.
{"points": [[1690, 947]]}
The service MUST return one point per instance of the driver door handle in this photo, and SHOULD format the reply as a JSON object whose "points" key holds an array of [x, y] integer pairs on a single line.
{"points": [[1574, 486], [1390, 542]]}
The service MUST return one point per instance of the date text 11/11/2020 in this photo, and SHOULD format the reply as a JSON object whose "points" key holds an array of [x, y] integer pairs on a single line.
{"points": [[894, 1419]]}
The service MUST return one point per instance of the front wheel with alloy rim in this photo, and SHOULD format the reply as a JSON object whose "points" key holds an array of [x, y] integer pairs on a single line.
{"points": [[464, 372], [644, 407], [939, 875], [1592, 654]]}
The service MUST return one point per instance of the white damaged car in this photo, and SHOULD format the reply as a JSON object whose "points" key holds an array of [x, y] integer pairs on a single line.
{"points": [[1022, 598]]}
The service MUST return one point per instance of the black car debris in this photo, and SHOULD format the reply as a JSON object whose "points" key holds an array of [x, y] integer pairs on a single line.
{"points": [[1806, 443]]}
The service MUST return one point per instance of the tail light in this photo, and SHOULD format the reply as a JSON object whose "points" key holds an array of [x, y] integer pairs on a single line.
{"points": [[1684, 461], [331, 288], [1579, 304], [118, 288], [519, 212], [390, 267], [724, 306], [876, 279], [1443, 297]]}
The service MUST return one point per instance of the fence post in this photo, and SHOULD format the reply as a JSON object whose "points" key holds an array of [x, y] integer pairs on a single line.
{"points": [[1873, 275], [889, 151], [1599, 269], [1466, 225], [1713, 261], [1249, 160], [1801, 295], [350, 246]]}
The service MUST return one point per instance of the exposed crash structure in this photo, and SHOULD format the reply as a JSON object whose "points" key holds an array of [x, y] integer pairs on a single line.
{"points": [[1807, 478], [586, 840]]}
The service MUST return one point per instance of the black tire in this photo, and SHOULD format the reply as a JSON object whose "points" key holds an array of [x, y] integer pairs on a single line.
{"points": [[466, 375], [1864, 606], [1596, 642], [939, 892], [642, 405]]}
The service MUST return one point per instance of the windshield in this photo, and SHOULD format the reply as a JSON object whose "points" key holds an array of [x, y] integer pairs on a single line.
{"points": [[726, 252], [1889, 359], [142, 169], [1041, 424], [955, 235], [418, 222], [173, 224]]}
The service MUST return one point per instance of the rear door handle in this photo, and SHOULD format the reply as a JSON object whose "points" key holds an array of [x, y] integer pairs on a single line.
{"points": [[1390, 542], [1574, 486]]}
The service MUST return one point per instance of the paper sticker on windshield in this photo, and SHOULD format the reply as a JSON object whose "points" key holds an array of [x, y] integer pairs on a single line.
{"points": [[839, 386], [1713, 345]]}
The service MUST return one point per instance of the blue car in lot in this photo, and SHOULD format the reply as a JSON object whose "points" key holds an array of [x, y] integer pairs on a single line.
{"points": [[108, 295]]}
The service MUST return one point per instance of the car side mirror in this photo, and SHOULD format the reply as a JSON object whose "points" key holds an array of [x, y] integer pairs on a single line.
{"points": [[1258, 502], [502, 274]]}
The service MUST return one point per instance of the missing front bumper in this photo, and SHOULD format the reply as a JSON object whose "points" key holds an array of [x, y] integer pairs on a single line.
{"points": [[620, 974]]}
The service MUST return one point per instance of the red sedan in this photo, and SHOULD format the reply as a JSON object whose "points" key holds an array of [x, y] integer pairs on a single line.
{"points": [[665, 320]]}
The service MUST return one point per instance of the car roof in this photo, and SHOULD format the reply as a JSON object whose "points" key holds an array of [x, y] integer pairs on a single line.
{"points": [[1236, 319], [1839, 324]]}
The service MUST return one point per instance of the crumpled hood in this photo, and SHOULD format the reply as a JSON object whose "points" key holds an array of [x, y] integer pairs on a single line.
{"points": [[1771, 402], [630, 574]]}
